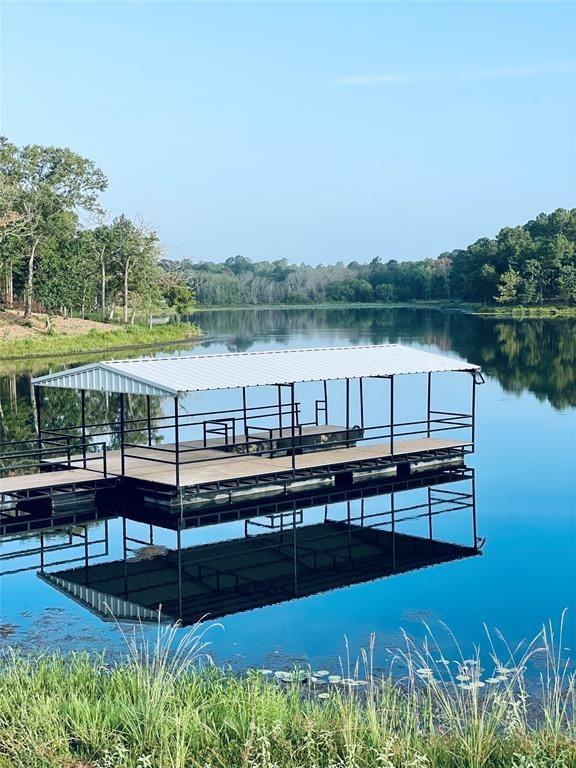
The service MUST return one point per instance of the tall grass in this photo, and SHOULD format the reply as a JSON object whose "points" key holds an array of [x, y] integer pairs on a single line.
{"points": [[167, 706]]}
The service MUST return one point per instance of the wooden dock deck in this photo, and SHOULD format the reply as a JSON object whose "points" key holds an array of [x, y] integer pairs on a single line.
{"points": [[45, 480], [212, 466]]}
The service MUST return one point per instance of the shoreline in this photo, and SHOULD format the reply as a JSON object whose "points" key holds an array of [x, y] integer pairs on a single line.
{"points": [[514, 312], [165, 704], [118, 338]]}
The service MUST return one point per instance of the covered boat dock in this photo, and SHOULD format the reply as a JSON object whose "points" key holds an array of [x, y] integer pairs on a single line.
{"points": [[213, 429]]}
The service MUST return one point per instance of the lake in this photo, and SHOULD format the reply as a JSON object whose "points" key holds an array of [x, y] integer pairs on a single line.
{"points": [[525, 478]]}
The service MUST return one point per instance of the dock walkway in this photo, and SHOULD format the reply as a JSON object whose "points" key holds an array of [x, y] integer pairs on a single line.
{"points": [[211, 466]]}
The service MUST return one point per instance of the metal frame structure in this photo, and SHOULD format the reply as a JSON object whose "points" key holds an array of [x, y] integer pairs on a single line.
{"points": [[272, 430]]}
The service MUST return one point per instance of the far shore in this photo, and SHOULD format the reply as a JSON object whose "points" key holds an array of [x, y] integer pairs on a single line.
{"points": [[25, 339], [514, 311]]}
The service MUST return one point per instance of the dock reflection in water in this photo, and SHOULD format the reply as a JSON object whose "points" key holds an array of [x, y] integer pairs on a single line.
{"points": [[282, 555]]}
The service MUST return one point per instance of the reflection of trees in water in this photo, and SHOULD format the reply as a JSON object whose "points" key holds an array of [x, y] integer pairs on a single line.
{"points": [[16, 412], [534, 355], [537, 355], [61, 409]]}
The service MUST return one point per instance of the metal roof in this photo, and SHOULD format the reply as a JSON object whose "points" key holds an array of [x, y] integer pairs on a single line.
{"points": [[186, 373]]}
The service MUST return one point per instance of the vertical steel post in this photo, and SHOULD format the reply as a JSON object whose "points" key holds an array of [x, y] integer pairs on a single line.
{"points": [[473, 410], [244, 414], [429, 514], [361, 402], [392, 415], [347, 413], [122, 459], [148, 422], [83, 411], [325, 401], [177, 441], [293, 429], [279, 388], [429, 404]]}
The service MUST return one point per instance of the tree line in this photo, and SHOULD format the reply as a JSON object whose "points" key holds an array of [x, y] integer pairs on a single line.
{"points": [[529, 264], [59, 251]]}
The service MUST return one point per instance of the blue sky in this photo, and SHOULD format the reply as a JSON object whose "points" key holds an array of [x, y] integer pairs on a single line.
{"points": [[312, 131]]}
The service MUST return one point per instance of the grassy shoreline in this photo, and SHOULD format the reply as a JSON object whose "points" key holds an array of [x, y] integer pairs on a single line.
{"points": [[117, 338], [160, 708]]}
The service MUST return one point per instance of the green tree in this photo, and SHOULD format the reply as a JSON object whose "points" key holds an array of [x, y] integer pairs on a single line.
{"points": [[50, 181], [567, 283], [508, 287], [532, 283], [384, 292]]}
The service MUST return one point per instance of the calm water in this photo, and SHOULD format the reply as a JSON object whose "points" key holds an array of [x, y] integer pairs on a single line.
{"points": [[525, 465]]}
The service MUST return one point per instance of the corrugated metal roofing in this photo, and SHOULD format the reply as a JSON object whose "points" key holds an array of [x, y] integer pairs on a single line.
{"points": [[187, 373]]}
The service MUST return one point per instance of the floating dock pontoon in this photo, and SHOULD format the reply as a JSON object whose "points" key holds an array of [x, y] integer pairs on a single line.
{"points": [[238, 427]]}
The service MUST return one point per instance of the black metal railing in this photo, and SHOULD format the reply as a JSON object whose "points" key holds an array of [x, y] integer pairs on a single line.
{"points": [[238, 431], [291, 443], [49, 453]]}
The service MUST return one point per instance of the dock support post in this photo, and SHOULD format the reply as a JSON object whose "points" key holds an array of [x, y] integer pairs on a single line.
{"points": [[392, 415], [429, 411], [279, 388], [245, 415], [122, 459], [325, 401], [177, 441], [83, 410], [473, 410], [347, 413], [293, 428], [361, 402], [429, 514], [148, 421]]}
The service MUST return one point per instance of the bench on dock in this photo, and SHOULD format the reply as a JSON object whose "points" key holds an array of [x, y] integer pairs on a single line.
{"points": [[279, 441]]}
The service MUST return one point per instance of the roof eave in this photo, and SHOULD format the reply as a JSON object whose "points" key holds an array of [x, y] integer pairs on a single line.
{"points": [[50, 379]]}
